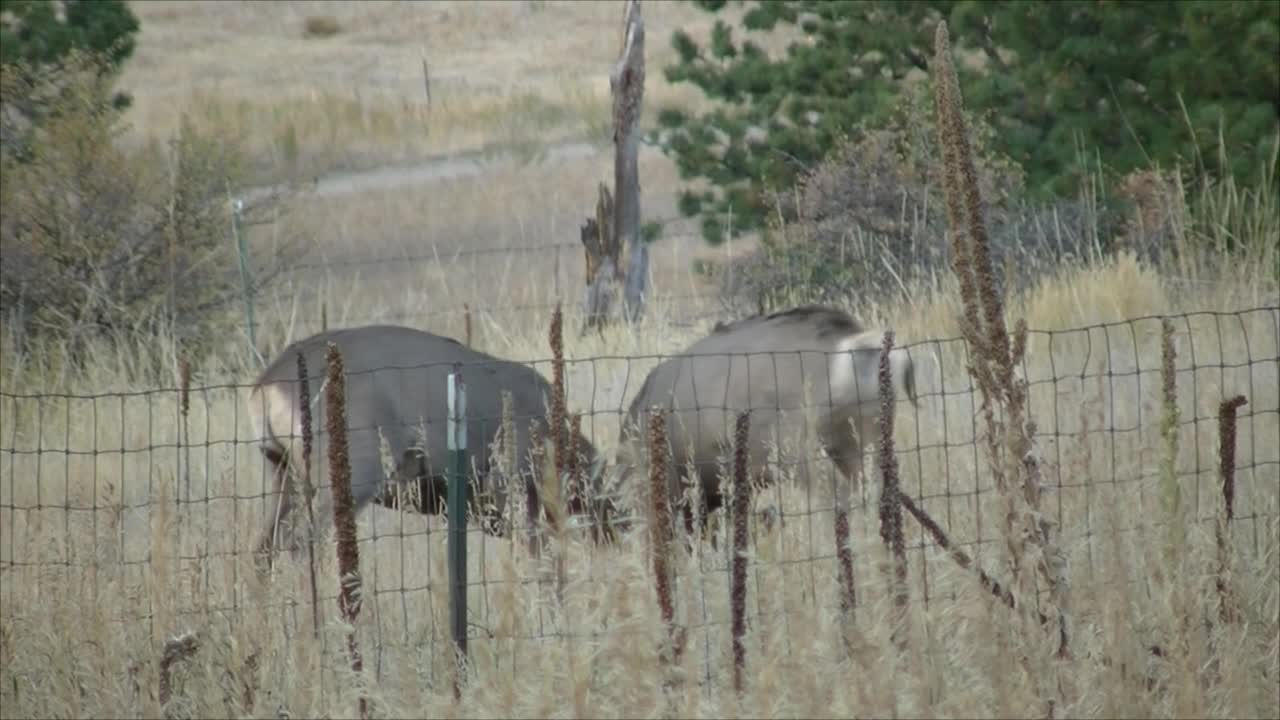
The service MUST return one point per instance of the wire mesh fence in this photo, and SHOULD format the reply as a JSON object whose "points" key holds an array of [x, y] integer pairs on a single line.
{"points": [[505, 285], [498, 285], [157, 498]]}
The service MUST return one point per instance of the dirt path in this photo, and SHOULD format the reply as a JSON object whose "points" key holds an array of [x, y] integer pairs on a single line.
{"points": [[438, 169]]}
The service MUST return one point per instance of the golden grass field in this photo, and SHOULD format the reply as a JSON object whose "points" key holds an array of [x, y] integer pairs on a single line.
{"points": [[122, 526]]}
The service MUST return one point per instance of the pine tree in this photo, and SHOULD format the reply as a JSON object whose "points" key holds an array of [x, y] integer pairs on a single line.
{"points": [[41, 44], [1130, 83]]}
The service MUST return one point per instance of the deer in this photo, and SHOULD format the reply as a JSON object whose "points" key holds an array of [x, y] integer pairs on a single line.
{"points": [[809, 360], [396, 391]]}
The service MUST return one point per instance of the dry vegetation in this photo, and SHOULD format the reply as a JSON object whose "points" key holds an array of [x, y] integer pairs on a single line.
{"points": [[125, 522], [101, 544], [501, 74]]}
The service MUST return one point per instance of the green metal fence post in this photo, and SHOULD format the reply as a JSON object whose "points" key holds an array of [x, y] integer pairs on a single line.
{"points": [[242, 251], [457, 539]]}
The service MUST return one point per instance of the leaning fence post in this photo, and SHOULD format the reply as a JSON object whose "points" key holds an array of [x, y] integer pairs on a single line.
{"points": [[457, 445], [242, 251]]}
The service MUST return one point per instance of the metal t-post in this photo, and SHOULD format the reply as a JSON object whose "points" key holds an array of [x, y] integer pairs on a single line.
{"points": [[457, 539]]}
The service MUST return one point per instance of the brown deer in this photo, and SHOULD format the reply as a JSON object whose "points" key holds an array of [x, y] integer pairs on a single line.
{"points": [[396, 382], [809, 360]]}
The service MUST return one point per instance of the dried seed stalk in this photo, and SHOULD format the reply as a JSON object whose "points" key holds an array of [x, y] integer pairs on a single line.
{"points": [[844, 554], [1227, 611], [1000, 592], [1172, 492], [349, 583], [996, 357], [660, 533], [308, 490], [741, 509], [960, 556], [890, 504], [558, 425], [184, 383]]}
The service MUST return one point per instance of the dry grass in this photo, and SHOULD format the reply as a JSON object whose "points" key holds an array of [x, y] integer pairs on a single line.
{"points": [[128, 518], [100, 542], [448, 235], [518, 120], [501, 74]]}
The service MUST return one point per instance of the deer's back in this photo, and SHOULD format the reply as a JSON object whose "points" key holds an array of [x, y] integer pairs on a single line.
{"points": [[397, 377], [773, 365]]}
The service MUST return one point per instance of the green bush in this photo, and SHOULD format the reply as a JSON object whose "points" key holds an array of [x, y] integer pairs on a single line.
{"points": [[1135, 83], [871, 217], [100, 242], [37, 40]]}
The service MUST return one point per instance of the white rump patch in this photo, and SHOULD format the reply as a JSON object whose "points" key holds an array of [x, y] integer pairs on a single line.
{"points": [[275, 409], [855, 370], [854, 366]]}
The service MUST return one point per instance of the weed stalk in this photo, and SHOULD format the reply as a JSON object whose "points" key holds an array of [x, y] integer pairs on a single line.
{"points": [[996, 357], [741, 509], [660, 533], [1172, 493], [890, 505], [184, 441], [308, 490], [1227, 611], [349, 582]]}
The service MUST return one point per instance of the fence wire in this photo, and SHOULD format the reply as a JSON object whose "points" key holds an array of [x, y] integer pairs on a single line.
{"points": [[516, 284], [124, 493]]}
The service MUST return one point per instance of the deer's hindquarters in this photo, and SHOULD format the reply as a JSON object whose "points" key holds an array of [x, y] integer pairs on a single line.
{"points": [[274, 417], [854, 373]]}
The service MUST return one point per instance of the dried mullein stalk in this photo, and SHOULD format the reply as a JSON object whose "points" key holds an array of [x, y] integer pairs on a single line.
{"points": [[738, 582], [308, 490], [1227, 611], [349, 582], [890, 503], [660, 533], [184, 385], [995, 357], [559, 426], [1171, 489]]}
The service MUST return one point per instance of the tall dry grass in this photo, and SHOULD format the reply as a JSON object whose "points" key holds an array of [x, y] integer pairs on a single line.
{"points": [[128, 511], [96, 531]]}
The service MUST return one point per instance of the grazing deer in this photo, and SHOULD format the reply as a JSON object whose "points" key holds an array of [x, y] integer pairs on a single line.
{"points": [[807, 360], [396, 390]]}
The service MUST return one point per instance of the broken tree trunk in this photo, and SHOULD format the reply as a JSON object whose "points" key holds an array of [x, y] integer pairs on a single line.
{"points": [[604, 268], [603, 241]]}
